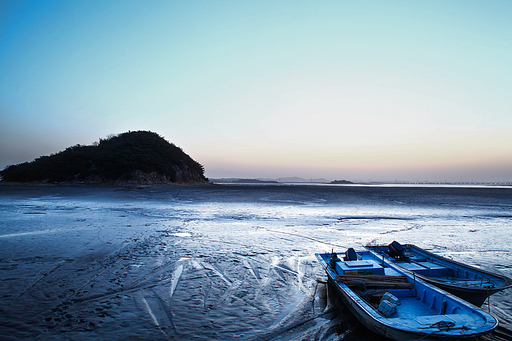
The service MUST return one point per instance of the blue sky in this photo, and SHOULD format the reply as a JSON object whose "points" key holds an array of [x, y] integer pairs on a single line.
{"points": [[357, 90]]}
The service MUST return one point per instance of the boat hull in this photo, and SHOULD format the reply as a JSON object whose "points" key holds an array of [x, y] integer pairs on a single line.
{"points": [[476, 294]]}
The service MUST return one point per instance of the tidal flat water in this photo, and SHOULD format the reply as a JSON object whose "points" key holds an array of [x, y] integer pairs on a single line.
{"points": [[221, 262]]}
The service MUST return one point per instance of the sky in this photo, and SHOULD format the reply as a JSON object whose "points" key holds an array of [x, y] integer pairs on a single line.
{"points": [[356, 90]]}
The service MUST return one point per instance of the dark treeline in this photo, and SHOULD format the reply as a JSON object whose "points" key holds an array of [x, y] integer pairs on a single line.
{"points": [[117, 158]]}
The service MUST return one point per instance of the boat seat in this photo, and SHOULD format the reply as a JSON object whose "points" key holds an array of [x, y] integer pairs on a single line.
{"points": [[426, 268], [411, 266], [435, 269]]}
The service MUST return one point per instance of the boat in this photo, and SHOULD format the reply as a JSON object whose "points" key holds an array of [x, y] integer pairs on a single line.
{"points": [[467, 282], [399, 305]]}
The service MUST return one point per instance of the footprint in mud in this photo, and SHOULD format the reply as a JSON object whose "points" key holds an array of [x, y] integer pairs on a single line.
{"points": [[272, 305]]}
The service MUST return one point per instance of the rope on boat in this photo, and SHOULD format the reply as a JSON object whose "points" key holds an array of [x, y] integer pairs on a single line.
{"points": [[442, 325]]}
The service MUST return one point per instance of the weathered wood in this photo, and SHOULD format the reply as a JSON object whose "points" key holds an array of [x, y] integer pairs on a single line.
{"points": [[382, 278], [376, 281], [380, 285]]}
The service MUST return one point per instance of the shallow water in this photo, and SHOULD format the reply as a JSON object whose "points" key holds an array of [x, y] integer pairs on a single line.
{"points": [[220, 262]]}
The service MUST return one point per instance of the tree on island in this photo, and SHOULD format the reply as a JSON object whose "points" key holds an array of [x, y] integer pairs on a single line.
{"points": [[138, 156]]}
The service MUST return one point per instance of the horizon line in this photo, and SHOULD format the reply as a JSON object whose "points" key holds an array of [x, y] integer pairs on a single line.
{"points": [[395, 182]]}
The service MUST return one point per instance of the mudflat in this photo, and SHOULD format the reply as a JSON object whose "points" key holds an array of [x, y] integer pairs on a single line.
{"points": [[220, 262]]}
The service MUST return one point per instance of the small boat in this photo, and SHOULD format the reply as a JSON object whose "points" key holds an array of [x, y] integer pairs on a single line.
{"points": [[399, 305], [467, 282]]}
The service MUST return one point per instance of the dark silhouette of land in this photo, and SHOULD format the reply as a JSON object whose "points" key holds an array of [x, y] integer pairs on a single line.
{"points": [[138, 157], [254, 181], [341, 182]]}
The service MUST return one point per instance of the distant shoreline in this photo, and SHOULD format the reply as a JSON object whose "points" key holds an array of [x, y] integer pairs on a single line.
{"points": [[360, 183], [241, 182], [372, 184]]}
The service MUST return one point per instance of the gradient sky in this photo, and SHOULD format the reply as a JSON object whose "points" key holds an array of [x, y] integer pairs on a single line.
{"points": [[357, 90]]}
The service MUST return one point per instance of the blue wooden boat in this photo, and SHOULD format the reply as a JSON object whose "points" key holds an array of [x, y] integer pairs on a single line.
{"points": [[467, 282], [397, 304]]}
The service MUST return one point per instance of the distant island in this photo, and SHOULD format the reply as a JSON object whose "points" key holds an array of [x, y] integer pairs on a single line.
{"points": [[341, 182], [254, 181], [132, 158]]}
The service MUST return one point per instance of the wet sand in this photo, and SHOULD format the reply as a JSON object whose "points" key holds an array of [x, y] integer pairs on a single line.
{"points": [[219, 262]]}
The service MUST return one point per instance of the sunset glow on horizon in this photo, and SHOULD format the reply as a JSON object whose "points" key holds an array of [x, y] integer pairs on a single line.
{"points": [[402, 90]]}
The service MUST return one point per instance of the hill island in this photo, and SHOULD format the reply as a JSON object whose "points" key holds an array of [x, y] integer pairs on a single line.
{"points": [[342, 182], [132, 158]]}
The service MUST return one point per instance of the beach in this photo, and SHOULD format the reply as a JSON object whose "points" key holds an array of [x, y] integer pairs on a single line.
{"points": [[221, 262]]}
